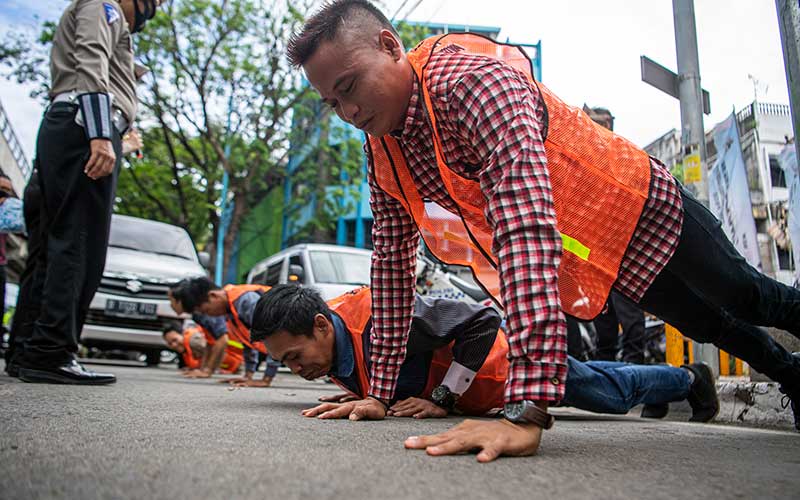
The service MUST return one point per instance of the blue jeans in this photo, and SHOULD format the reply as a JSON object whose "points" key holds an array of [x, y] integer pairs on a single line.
{"points": [[611, 387]]}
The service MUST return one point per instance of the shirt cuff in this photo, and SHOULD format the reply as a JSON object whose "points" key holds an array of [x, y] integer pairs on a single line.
{"points": [[96, 115], [535, 381]]}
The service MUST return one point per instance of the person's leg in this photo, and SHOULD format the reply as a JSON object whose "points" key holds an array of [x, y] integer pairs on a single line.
{"points": [[708, 263], [672, 300], [574, 340], [70, 202], [608, 387], [607, 326], [272, 367], [31, 280], [631, 317]]}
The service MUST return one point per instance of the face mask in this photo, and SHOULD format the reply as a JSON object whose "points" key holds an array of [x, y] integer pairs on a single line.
{"points": [[141, 17]]}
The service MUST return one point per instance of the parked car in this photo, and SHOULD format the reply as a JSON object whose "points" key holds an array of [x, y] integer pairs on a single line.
{"points": [[131, 306], [331, 269]]}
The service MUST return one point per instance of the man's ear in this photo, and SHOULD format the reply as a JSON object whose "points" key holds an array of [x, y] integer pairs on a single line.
{"points": [[321, 323], [390, 44]]}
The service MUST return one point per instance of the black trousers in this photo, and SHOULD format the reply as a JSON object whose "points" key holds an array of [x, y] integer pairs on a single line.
{"points": [[711, 294], [28, 298], [621, 311], [75, 222]]}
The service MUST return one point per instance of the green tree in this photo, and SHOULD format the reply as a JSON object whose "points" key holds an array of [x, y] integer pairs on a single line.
{"points": [[220, 97]]}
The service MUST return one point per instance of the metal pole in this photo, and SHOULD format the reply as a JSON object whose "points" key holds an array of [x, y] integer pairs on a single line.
{"points": [[221, 228], [789, 23], [689, 90], [692, 132]]}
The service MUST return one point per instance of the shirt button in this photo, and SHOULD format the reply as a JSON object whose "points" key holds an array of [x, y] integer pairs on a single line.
{"points": [[555, 381]]}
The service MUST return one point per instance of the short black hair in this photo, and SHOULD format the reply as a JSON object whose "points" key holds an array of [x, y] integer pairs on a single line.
{"points": [[193, 292], [324, 25], [289, 308], [171, 326]]}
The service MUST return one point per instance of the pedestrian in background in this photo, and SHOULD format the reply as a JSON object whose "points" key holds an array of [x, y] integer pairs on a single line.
{"points": [[78, 152]]}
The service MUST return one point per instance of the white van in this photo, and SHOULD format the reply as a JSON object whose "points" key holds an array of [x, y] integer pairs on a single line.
{"points": [[331, 269]]}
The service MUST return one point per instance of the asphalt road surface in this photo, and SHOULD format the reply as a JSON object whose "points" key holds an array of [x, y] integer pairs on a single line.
{"points": [[156, 435]]}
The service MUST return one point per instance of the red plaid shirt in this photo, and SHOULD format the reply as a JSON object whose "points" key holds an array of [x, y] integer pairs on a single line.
{"points": [[490, 121]]}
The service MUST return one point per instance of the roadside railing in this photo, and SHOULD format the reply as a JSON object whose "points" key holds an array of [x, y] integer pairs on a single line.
{"points": [[13, 143], [680, 351]]}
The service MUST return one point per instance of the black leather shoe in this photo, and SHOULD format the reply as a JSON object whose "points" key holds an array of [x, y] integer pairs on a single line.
{"points": [[655, 411], [71, 372], [702, 393], [12, 369]]}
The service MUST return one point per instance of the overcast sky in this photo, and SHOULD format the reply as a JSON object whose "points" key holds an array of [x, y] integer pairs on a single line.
{"points": [[590, 52]]}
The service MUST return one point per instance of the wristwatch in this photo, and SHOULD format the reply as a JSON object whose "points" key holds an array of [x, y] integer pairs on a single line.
{"points": [[444, 397], [527, 412]]}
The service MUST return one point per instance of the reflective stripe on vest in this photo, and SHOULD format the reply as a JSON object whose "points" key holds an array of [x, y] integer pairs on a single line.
{"points": [[600, 183]]}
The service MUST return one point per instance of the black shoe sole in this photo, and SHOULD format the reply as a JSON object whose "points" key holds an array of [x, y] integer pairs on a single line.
{"points": [[45, 377]]}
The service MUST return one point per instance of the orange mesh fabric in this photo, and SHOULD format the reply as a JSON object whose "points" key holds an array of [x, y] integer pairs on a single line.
{"points": [[600, 183], [236, 329]]}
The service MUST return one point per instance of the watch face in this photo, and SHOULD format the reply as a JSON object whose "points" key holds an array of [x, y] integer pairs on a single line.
{"points": [[440, 393], [513, 411]]}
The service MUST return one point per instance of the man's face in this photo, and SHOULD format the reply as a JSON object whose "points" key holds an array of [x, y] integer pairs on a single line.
{"points": [[175, 303], [216, 305], [174, 341], [367, 83], [308, 356]]}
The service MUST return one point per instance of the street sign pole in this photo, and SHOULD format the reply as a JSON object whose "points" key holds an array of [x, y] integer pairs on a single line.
{"points": [[789, 23]]}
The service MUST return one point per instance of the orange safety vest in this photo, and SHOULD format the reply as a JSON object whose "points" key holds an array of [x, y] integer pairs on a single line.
{"points": [[188, 356], [486, 391], [234, 355], [236, 329], [600, 183]]}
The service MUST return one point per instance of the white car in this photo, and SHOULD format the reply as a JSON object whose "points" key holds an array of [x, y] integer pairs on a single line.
{"points": [[331, 269], [131, 306]]}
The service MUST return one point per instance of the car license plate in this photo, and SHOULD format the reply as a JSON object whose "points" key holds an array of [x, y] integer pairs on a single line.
{"points": [[126, 309]]}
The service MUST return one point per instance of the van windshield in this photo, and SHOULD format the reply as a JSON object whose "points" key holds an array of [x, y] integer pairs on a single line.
{"points": [[340, 267], [152, 237]]}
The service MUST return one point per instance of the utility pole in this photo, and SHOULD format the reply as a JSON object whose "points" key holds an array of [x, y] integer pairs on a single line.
{"points": [[789, 23], [693, 140]]}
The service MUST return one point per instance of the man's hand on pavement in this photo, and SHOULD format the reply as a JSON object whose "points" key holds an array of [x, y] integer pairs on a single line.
{"points": [[197, 374], [264, 382], [362, 409], [338, 398], [417, 408], [101, 159], [493, 439]]}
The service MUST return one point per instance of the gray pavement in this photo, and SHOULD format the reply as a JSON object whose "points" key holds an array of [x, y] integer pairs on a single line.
{"points": [[156, 435]]}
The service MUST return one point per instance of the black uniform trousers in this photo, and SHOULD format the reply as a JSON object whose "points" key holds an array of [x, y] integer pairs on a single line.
{"points": [[28, 298], [621, 311], [75, 221]]}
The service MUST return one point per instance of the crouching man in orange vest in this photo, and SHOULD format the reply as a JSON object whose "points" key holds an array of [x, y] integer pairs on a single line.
{"points": [[195, 344], [201, 297], [550, 211], [456, 359]]}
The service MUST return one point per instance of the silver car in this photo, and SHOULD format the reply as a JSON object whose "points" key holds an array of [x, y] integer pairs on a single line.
{"points": [[130, 307]]}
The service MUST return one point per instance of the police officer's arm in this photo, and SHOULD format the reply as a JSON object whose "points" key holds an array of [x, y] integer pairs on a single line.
{"points": [[96, 33]]}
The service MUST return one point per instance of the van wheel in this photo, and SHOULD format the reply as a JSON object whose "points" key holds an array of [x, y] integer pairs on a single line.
{"points": [[153, 358]]}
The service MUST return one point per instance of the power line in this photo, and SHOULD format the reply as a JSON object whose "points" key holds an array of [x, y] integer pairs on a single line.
{"points": [[399, 9]]}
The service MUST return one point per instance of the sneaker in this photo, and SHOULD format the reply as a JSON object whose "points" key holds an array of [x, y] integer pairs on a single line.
{"points": [[703, 393], [793, 400]]}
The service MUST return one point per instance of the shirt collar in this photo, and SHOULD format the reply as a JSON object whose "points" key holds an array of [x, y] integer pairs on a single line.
{"points": [[413, 113], [344, 357]]}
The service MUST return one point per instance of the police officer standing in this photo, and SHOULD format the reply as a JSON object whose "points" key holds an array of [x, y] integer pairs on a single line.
{"points": [[78, 151]]}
